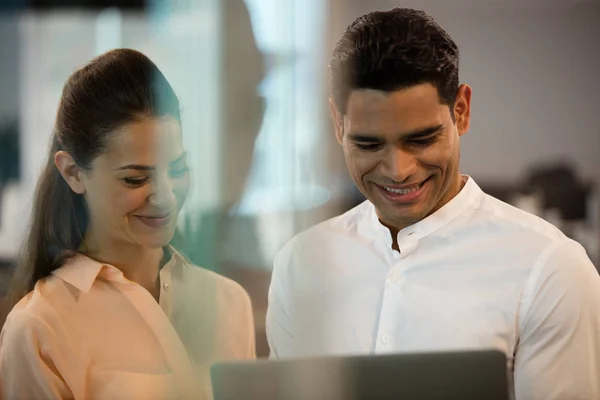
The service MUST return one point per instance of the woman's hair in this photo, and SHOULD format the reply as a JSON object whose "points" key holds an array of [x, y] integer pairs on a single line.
{"points": [[115, 88]]}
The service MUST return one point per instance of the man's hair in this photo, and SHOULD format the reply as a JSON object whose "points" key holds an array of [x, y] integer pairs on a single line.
{"points": [[391, 50]]}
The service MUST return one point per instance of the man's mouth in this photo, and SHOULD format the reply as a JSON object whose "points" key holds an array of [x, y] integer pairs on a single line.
{"points": [[403, 194], [404, 190]]}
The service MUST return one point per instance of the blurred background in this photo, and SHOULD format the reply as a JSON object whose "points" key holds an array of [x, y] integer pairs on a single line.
{"points": [[252, 79]]}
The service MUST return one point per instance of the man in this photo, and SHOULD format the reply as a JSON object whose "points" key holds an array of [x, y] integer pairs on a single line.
{"points": [[429, 262]]}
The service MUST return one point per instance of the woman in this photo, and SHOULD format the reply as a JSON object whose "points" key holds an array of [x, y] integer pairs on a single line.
{"points": [[110, 309]]}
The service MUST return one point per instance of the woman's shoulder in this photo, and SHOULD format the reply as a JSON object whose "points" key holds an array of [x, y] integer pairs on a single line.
{"points": [[51, 298], [203, 280], [222, 285], [32, 315]]}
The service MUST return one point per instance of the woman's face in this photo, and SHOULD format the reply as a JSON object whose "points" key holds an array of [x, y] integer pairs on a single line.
{"points": [[136, 188]]}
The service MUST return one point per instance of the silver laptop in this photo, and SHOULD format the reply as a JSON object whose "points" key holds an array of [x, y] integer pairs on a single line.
{"points": [[462, 375]]}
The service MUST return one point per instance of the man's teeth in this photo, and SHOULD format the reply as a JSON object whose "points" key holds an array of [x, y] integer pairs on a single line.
{"points": [[403, 191]]}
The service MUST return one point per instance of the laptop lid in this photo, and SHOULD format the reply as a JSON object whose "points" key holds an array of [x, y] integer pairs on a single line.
{"points": [[457, 375]]}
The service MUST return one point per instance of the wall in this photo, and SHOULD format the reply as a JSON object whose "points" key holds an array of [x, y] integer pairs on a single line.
{"points": [[533, 70]]}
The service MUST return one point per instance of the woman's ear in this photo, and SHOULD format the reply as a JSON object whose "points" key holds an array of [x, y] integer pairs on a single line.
{"points": [[70, 171]]}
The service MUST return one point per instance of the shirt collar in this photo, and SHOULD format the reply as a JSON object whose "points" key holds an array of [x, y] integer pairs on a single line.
{"points": [[82, 271], [176, 259], [79, 271], [470, 194]]}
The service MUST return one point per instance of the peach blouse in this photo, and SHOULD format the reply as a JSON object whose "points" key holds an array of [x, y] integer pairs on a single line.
{"points": [[87, 332]]}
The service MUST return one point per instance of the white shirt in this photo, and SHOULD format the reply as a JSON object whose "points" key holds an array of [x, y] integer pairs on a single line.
{"points": [[476, 274]]}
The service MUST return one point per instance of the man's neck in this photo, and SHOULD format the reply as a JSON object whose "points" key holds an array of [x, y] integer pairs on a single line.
{"points": [[452, 192]]}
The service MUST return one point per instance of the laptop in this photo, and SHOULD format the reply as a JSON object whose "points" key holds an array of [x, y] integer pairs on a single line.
{"points": [[457, 375]]}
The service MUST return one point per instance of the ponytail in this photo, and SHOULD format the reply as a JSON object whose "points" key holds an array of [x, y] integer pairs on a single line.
{"points": [[58, 223]]}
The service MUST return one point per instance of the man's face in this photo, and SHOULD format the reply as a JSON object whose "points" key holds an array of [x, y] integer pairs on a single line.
{"points": [[402, 149]]}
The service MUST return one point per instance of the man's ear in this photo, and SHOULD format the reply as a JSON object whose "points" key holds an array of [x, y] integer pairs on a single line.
{"points": [[462, 109], [338, 121], [70, 171]]}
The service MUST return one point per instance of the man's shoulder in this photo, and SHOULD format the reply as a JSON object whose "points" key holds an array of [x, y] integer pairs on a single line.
{"points": [[327, 232], [507, 218], [532, 242]]}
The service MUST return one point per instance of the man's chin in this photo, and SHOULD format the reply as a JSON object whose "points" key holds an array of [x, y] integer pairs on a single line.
{"points": [[401, 215]]}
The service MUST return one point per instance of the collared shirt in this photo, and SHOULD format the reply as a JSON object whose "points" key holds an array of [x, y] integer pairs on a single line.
{"points": [[88, 332], [476, 274]]}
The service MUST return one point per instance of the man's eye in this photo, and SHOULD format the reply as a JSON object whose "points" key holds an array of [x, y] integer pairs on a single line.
{"points": [[368, 147], [424, 142]]}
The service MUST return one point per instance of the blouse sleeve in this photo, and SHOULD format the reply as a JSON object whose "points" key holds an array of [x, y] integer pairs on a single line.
{"points": [[28, 354]]}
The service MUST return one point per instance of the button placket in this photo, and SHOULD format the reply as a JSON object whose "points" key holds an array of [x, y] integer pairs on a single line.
{"points": [[165, 299], [395, 278], [387, 327], [386, 338]]}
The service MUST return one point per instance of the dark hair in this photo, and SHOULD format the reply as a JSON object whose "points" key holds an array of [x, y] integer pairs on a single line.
{"points": [[115, 88], [391, 50]]}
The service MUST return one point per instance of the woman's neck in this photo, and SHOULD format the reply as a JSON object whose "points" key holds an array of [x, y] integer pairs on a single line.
{"points": [[138, 264]]}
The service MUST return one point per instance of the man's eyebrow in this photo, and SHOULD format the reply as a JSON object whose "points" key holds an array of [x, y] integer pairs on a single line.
{"points": [[423, 132], [366, 138]]}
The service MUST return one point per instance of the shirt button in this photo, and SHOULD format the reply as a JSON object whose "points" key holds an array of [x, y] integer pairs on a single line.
{"points": [[385, 339], [166, 286], [396, 278]]}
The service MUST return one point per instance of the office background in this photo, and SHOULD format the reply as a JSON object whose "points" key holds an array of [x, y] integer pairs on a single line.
{"points": [[252, 80]]}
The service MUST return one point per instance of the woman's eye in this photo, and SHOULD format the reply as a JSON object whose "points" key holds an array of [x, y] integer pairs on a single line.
{"points": [[135, 182], [179, 172]]}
